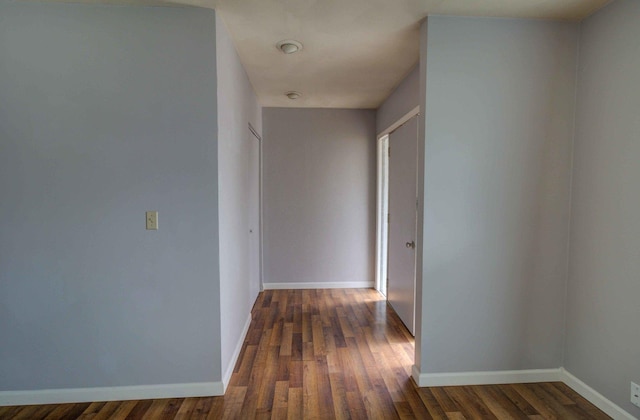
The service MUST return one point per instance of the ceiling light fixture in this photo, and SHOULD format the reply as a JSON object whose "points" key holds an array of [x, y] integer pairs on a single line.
{"points": [[293, 95], [289, 46]]}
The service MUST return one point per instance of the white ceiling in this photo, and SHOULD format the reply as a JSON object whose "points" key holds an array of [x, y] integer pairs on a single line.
{"points": [[355, 51]]}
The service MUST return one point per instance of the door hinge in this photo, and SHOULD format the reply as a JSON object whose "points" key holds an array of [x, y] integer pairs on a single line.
{"points": [[389, 151], [388, 218]]}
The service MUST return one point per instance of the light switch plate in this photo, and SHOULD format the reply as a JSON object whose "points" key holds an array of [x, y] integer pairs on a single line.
{"points": [[635, 394], [152, 220]]}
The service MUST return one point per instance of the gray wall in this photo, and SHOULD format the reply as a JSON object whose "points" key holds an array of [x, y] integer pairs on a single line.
{"points": [[319, 195], [496, 177], [403, 99], [107, 112], [238, 107], [603, 337]]}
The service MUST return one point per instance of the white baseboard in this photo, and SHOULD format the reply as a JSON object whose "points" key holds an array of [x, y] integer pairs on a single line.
{"points": [[320, 285], [116, 393], [236, 353], [594, 397], [485, 378]]}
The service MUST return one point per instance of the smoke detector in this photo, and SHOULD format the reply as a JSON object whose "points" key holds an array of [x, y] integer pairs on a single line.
{"points": [[289, 46], [293, 95]]}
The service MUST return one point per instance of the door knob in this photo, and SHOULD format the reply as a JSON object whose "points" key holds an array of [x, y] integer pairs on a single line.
{"points": [[410, 244]]}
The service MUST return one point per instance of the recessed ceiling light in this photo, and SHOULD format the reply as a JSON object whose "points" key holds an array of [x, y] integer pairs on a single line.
{"points": [[289, 46], [293, 94]]}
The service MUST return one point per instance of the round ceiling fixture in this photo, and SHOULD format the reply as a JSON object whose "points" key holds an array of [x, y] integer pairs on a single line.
{"points": [[289, 46], [293, 95]]}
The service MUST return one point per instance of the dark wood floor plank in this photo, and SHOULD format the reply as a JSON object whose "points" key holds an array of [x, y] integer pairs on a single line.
{"points": [[557, 394], [121, 412], [164, 409], [563, 407], [15, 412], [202, 409], [518, 400], [464, 404], [286, 341], [20, 413], [9, 411], [430, 402], [243, 375], [580, 401], [541, 405], [357, 409], [339, 396], [92, 411], [325, 395], [270, 375], [343, 326], [139, 410], [445, 402], [276, 333], [55, 412], [403, 410], [310, 400], [218, 404], [186, 409], [294, 404], [76, 410], [234, 401], [498, 403], [155, 409], [42, 411]]}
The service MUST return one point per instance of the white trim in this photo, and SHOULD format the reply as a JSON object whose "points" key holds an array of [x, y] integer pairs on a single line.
{"points": [[486, 378], [382, 199], [321, 285], [116, 393], [236, 353], [594, 397], [382, 203], [406, 117]]}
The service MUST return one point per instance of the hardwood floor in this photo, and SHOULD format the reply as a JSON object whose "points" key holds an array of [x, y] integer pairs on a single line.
{"points": [[336, 353]]}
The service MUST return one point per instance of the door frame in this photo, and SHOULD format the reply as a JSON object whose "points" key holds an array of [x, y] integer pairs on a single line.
{"points": [[257, 135], [382, 200]]}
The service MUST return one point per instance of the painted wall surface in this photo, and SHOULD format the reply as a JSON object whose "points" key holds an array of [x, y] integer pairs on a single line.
{"points": [[107, 112], [238, 107], [319, 195], [496, 179], [603, 338], [403, 99]]}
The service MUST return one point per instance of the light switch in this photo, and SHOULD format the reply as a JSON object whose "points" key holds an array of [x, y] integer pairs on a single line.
{"points": [[152, 220]]}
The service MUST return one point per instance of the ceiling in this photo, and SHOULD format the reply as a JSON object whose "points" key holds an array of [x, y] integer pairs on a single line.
{"points": [[355, 51]]}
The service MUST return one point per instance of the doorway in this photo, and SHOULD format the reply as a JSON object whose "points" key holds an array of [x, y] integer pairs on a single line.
{"points": [[397, 217]]}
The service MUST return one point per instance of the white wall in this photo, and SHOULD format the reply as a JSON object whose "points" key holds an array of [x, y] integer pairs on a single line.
{"points": [[402, 100], [319, 196], [107, 112], [603, 336], [499, 98], [238, 107]]}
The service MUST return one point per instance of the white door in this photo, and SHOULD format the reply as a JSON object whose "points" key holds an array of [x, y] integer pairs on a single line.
{"points": [[254, 217], [403, 165]]}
